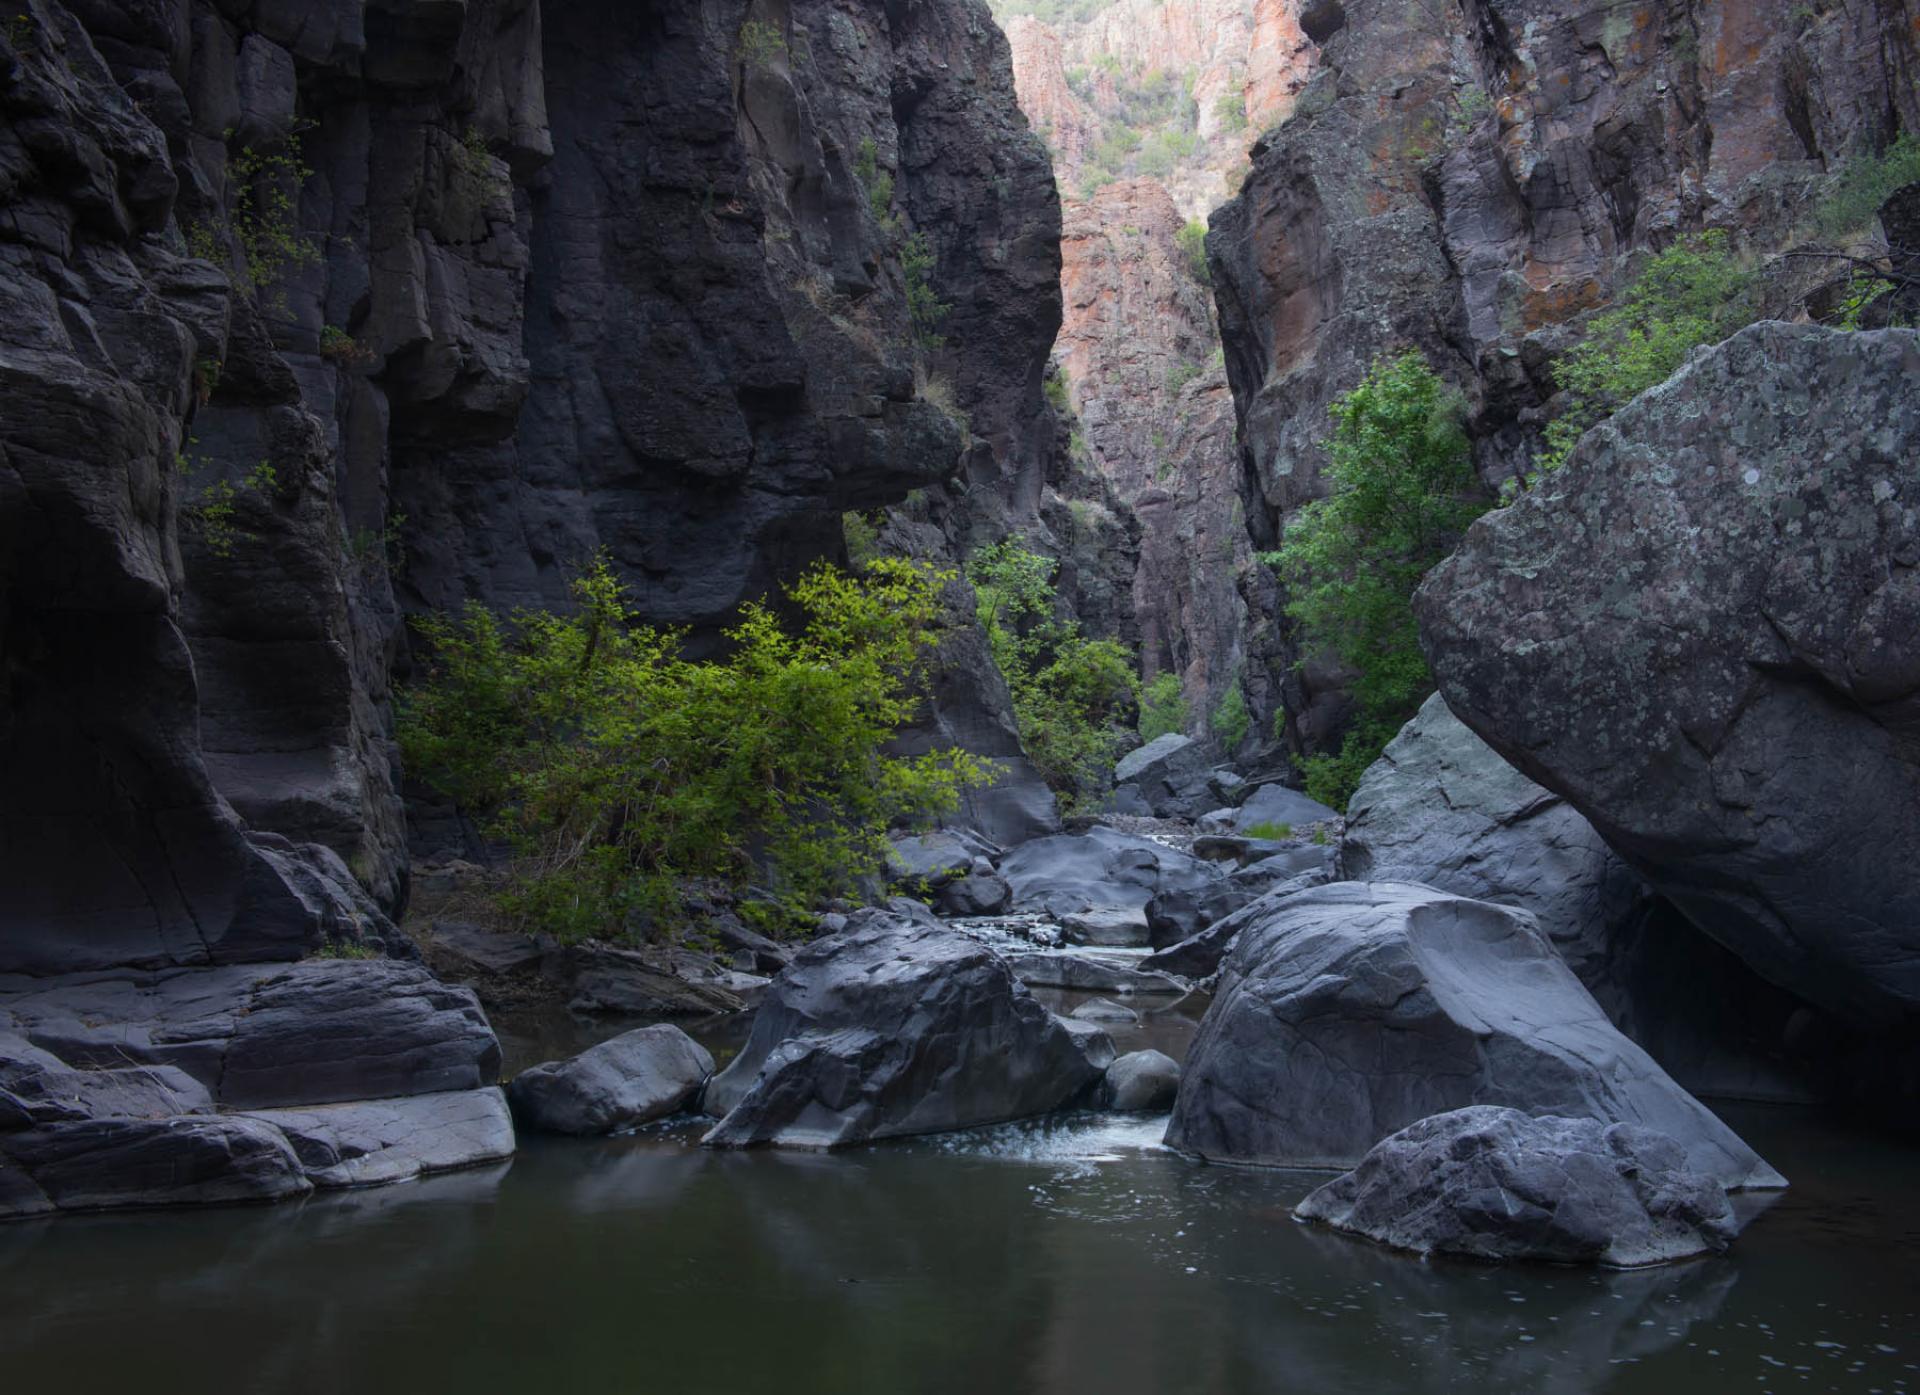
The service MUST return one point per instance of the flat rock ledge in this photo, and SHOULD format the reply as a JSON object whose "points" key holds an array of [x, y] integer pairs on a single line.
{"points": [[239, 1083], [1492, 1183]]}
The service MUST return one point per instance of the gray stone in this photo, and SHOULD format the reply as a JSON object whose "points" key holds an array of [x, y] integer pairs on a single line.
{"points": [[892, 1028], [1495, 1184], [646, 981], [1276, 804], [1114, 926], [936, 858], [462, 947], [1105, 1010], [200, 1160], [318, 1032], [975, 895], [1090, 1039], [1142, 1082], [1152, 760], [1171, 775], [1199, 955], [1442, 807], [630, 1080], [1700, 632], [1119, 888], [1093, 975], [373, 1142], [1348, 1011], [37, 1087]]}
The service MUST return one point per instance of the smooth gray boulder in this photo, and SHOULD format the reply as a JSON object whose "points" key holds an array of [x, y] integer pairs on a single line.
{"points": [[634, 1078], [976, 894], [933, 859], [266, 1035], [37, 1087], [1090, 1039], [1105, 1010], [374, 1142], [1492, 1183], [893, 1027], [1442, 807], [1114, 888], [1349, 1011], [648, 981], [1086, 972], [1171, 775], [1276, 804], [1141, 1082], [464, 948], [195, 1160], [1703, 631]]}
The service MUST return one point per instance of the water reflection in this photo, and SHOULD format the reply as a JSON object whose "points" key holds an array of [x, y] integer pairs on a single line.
{"points": [[1065, 1256]]}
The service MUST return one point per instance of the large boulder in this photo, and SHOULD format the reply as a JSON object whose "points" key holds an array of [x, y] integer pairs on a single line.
{"points": [[1141, 1082], [1114, 888], [326, 1073], [1443, 808], [1494, 1183], [1172, 775], [1199, 955], [634, 1078], [1277, 804], [1703, 631], [893, 1027], [1349, 1011]]}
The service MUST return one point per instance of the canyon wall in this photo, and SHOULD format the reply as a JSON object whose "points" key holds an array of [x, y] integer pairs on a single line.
{"points": [[323, 313], [1467, 179]]}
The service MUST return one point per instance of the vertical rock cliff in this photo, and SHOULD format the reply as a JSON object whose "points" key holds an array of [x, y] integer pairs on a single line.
{"points": [[323, 313], [1468, 179]]}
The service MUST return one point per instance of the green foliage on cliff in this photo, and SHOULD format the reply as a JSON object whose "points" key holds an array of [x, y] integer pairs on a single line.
{"points": [[1230, 719], [1163, 707], [1696, 292], [925, 310], [1072, 696], [1192, 242], [618, 767], [1864, 184], [1401, 492]]}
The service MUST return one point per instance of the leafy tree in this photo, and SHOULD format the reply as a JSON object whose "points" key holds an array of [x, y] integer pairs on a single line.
{"points": [[1163, 707], [1072, 696], [1230, 720], [1864, 184], [1402, 490], [618, 767], [1696, 292]]}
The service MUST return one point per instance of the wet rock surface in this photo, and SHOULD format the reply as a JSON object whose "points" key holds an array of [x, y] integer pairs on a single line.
{"points": [[1141, 1082], [890, 1028], [1496, 1184], [1346, 1012]]}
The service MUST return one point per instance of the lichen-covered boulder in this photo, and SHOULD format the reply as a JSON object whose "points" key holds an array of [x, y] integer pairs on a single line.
{"points": [[893, 1027], [1348, 1011], [1493, 1183], [1704, 632]]}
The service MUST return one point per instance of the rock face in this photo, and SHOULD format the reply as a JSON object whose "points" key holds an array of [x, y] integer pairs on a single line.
{"points": [[892, 1028], [329, 1073], [1493, 1183], [1467, 179], [1347, 1012], [633, 1079], [1701, 633]]}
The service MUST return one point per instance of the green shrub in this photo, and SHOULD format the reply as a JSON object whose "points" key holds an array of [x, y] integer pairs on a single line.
{"points": [[1268, 832], [1696, 292], [1863, 185], [1163, 707], [619, 767], [1072, 695], [761, 45], [1230, 110], [1402, 490], [266, 204], [1192, 241], [1230, 720]]}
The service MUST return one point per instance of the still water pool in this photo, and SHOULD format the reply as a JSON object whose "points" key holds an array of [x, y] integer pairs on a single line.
{"points": [[1073, 1255]]}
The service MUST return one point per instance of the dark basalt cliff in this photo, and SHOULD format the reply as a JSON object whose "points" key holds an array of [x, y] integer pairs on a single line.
{"points": [[1470, 178], [558, 277]]}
